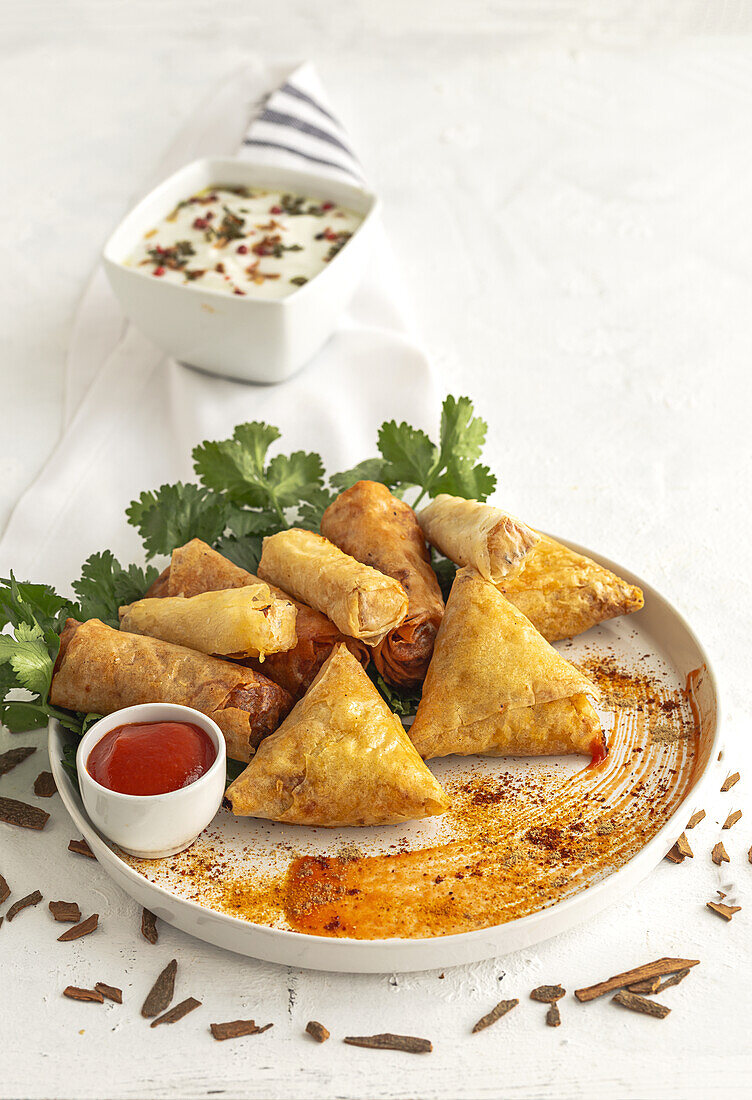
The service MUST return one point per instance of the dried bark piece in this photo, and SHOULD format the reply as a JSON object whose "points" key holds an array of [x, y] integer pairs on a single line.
{"points": [[13, 757], [673, 980], [233, 1029], [149, 926], [67, 912], [81, 848], [725, 911], [178, 1012], [77, 994], [749, 855], [719, 854], [22, 814], [317, 1031], [641, 1004], [4, 890], [732, 819], [23, 903], [730, 781], [553, 1016], [548, 994], [388, 1041], [649, 985], [160, 994], [85, 928], [695, 819], [44, 785], [495, 1014], [683, 847], [638, 974], [675, 855], [111, 992]]}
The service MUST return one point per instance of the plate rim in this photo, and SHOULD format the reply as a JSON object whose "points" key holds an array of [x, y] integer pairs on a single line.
{"points": [[351, 955]]}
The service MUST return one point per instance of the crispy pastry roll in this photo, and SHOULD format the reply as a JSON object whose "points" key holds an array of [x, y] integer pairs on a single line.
{"points": [[100, 670], [236, 622], [470, 533], [376, 528], [196, 568], [340, 758], [362, 602], [563, 593], [496, 687]]}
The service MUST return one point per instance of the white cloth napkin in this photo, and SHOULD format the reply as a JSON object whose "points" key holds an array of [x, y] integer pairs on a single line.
{"points": [[132, 416]]}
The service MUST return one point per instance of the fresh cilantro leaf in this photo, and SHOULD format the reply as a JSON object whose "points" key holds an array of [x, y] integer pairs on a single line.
{"points": [[445, 571], [462, 434], [311, 511], [21, 601], [27, 653], [105, 585], [233, 768], [403, 703], [242, 522], [371, 469], [236, 466], [463, 479], [245, 552], [175, 514], [409, 454], [18, 716], [293, 478]]}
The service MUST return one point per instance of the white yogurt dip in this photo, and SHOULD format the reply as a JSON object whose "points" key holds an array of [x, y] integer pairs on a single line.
{"points": [[245, 241]]}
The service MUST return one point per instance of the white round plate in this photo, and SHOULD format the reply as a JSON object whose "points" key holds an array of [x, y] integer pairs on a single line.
{"points": [[657, 634]]}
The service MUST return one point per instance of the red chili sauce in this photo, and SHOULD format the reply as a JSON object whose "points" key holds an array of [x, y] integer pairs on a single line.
{"points": [[151, 757]]}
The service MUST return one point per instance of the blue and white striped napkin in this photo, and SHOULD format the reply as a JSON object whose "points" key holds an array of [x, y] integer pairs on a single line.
{"points": [[133, 416]]}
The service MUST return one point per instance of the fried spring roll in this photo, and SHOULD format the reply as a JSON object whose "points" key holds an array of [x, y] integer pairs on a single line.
{"points": [[470, 533], [100, 670], [376, 528], [197, 568], [362, 602], [238, 622]]}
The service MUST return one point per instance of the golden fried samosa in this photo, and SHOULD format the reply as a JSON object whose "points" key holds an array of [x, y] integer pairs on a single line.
{"points": [[496, 687], [340, 758], [563, 593], [470, 533], [234, 622]]}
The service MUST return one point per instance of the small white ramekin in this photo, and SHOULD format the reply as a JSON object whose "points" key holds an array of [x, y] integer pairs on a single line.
{"points": [[252, 339], [154, 825]]}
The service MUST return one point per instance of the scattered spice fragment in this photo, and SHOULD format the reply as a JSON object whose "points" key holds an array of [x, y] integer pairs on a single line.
{"points": [[23, 903], [233, 1029], [317, 1031], [388, 1041], [674, 855], [178, 1012], [719, 854], [4, 890], [641, 1004], [77, 994], [732, 819], [553, 1016], [111, 992], [67, 912], [649, 985], [548, 994], [749, 855], [13, 757], [160, 994], [638, 974], [695, 819], [85, 928], [673, 980], [81, 848], [22, 814], [149, 926], [730, 781], [44, 785], [683, 847], [495, 1014], [725, 911]]}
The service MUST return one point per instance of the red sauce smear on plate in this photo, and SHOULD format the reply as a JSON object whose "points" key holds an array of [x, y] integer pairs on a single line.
{"points": [[151, 757]]}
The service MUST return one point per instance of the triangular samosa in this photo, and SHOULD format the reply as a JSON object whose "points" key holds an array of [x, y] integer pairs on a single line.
{"points": [[563, 593], [340, 758], [495, 686]]}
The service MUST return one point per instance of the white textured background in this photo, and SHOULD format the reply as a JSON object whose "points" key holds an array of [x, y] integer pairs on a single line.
{"points": [[569, 189]]}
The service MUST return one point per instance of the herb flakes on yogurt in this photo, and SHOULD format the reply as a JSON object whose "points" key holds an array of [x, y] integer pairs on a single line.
{"points": [[246, 241]]}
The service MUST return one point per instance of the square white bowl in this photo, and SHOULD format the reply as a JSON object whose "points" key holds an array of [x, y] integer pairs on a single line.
{"points": [[255, 340]]}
